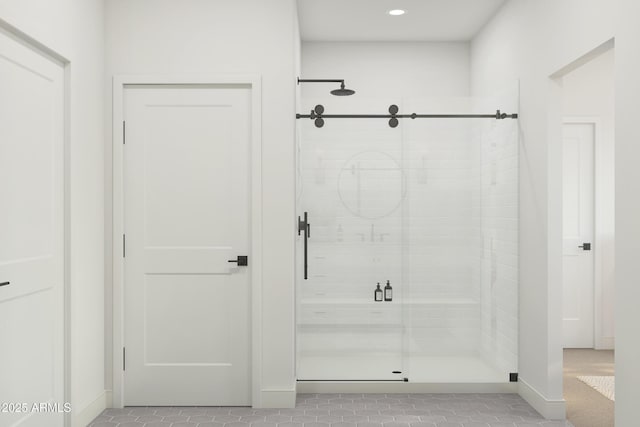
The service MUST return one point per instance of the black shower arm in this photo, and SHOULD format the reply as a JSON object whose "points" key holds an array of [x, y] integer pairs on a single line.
{"points": [[320, 80]]}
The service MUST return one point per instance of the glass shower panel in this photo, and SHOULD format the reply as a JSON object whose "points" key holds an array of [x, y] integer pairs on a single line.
{"points": [[499, 222], [460, 222], [352, 186]]}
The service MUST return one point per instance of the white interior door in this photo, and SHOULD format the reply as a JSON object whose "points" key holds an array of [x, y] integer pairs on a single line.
{"points": [[31, 235], [578, 230], [187, 213]]}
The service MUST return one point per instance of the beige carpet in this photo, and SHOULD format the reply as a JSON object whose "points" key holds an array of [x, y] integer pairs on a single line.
{"points": [[586, 407], [606, 385]]}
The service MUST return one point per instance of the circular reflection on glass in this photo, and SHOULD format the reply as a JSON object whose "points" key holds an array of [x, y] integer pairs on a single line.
{"points": [[371, 185]]}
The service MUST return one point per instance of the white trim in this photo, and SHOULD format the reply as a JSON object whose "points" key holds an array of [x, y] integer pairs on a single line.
{"points": [[278, 398], [68, 369], [32, 43], [607, 343], [584, 59], [84, 416], [119, 83], [550, 409], [598, 226], [402, 387]]}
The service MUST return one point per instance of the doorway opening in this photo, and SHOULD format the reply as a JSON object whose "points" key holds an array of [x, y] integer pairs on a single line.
{"points": [[588, 216]]}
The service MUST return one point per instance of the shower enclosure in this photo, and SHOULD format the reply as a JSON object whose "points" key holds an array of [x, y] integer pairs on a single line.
{"points": [[431, 206]]}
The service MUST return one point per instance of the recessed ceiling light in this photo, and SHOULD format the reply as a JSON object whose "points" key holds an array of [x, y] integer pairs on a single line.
{"points": [[396, 12]]}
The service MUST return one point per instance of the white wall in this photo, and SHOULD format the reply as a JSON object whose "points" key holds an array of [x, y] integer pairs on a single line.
{"points": [[74, 30], [532, 40], [387, 69], [589, 91], [217, 36], [627, 247]]}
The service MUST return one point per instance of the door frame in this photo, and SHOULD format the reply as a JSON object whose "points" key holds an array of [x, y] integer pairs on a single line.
{"points": [[52, 55], [120, 82], [597, 223]]}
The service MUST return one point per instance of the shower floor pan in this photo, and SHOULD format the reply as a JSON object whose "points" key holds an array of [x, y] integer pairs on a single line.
{"points": [[367, 373]]}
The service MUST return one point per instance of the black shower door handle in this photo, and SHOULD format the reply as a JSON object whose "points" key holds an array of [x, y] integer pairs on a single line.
{"points": [[304, 226]]}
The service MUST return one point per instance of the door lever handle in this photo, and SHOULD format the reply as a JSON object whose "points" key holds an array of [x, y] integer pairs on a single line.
{"points": [[5, 283], [242, 260], [585, 246]]}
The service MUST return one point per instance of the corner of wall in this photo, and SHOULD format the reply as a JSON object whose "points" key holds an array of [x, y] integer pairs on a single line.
{"points": [[277, 399], [84, 416], [550, 409]]}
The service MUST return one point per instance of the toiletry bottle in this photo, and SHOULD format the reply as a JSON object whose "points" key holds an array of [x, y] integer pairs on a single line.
{"points": [[388, 292], [377, 294]]}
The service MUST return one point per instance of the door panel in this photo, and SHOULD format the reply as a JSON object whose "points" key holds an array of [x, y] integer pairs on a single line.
{"points": [[31, 232], [351, 187], [578, 226], [187, 205]]}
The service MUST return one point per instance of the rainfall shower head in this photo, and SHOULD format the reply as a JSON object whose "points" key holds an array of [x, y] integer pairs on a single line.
{"points": [[342, 91], [338, 92]]}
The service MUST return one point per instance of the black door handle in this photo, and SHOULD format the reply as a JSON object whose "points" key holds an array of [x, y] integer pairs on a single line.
{"points": [[5, 283], [585, 246], [304, 226], [242, 260]]}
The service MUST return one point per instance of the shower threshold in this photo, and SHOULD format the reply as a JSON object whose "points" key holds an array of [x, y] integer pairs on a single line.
{"points": [[389, 369], [402, 387]]}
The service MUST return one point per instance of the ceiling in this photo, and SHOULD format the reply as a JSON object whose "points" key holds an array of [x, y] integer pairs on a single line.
{"points": [[367, 20]]}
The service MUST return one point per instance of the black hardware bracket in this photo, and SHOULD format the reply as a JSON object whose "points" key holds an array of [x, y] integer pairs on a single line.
{"points": [[585, 246], [513, 377]]}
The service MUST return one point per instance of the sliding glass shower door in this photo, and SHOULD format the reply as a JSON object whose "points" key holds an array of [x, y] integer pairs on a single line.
{"points": [[351, 185], [430, 206]]}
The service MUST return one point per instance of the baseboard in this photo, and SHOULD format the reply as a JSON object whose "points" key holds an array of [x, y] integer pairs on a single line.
{"points": [[84, 416], [277, 399], [550, 409], [403, 387], [606, 343]]}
